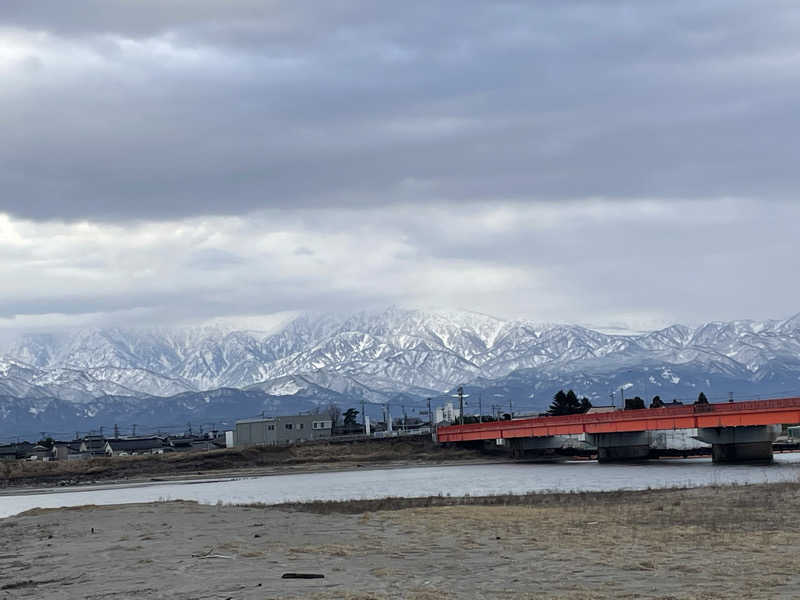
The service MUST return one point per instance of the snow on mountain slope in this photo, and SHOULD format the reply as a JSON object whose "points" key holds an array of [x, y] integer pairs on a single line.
{"points": [[375, 354]]}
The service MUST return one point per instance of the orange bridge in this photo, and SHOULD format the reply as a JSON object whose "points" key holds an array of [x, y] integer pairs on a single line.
{"points": [[719, 423]]}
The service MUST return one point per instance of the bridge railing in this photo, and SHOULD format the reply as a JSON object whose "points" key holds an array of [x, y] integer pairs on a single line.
{"points": [[630, 415]]}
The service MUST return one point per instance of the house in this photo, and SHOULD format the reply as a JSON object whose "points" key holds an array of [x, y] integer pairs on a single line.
{"points": [[16, 451], [8, 453], [180, 443], [274, 431], [67, 451], [40, 453], [134, 446], [93, 445]]}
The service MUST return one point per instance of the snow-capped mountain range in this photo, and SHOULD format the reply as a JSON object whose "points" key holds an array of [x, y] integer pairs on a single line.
{"points": [[376, 356]]}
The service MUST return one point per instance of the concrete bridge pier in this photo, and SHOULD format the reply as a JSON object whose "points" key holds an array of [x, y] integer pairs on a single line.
{"points": [[740, 444], [544, 446], [620, 446]]}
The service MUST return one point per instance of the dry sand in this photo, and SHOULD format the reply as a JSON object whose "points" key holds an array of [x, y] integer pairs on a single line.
{"points": [[738, 542]]}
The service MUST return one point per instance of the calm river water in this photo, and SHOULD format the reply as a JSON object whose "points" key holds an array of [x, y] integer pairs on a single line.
{"points": [[476, 480]]}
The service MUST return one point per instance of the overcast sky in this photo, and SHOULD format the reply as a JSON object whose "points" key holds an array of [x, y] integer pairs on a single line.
{"points": [[599, 162]]}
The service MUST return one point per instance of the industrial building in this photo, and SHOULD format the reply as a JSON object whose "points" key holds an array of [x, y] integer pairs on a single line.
{"points": [[278, 431]]}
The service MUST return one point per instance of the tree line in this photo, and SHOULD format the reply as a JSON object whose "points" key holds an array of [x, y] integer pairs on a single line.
{"points": [[568, 403]]}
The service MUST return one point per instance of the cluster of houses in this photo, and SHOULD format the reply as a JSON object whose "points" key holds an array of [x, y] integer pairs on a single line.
{"points": [[97, 445], [263, 431]]}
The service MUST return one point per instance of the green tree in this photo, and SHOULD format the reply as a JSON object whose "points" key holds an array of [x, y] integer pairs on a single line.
{"points": [[634, 403], [568, 404], [656, 403], [701, 399], [350, 416]]}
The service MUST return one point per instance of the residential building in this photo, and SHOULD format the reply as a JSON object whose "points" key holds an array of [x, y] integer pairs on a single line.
{"points": [[134, 446], [8, 452], [67, 451], [93, 445], [40, 453]]}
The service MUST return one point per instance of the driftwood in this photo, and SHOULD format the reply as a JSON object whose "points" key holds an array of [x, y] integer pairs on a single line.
{"points": [[302, 576], [210, 554]]}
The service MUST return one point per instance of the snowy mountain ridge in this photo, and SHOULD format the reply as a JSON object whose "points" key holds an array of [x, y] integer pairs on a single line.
{"points": [[375, 354]]}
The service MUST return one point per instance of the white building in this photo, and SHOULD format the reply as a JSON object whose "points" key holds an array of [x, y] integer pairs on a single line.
{"points": [[447, 413]]}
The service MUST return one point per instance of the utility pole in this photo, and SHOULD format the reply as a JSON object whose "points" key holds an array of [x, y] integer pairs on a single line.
{"points": [[611, 397], [363, 416], [621, 398], [461, 403], [430, 414], [134, 430], [510, 408], [116, 431], [480, 407]]}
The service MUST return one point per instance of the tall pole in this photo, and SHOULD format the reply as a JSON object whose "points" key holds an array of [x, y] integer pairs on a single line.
{"points": [[363, 416], [461, 403], [480, 407], [430, 415], [510, 409]]}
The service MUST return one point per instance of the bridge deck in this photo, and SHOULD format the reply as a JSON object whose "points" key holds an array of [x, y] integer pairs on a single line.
{"points": [[728, 414]]}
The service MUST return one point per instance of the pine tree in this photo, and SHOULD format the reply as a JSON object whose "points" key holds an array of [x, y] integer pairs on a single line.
{"points": [[567, 404], [701, 399], [350, 416]]}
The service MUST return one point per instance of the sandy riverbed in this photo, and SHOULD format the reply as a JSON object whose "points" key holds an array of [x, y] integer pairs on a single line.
{"points": [[737, 542]]}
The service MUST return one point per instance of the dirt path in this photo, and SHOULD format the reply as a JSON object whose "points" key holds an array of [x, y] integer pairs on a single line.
{"points": [[735, 542]]}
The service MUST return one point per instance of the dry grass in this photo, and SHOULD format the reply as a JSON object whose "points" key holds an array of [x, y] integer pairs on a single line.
{"points": [[710, 543], [27, 473]]}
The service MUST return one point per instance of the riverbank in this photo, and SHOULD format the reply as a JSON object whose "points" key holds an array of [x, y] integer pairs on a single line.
{"points": [[232, 462], [712, 542]]}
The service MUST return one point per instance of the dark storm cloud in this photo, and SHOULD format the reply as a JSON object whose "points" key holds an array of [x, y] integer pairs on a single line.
{"points": [[168, 109]]}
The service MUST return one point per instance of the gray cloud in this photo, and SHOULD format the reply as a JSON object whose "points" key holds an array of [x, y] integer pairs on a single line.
{"points": [[164, 110], [586, 161]]}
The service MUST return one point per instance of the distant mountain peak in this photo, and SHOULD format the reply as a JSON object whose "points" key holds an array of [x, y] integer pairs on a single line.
{"points": [[376, 353]]}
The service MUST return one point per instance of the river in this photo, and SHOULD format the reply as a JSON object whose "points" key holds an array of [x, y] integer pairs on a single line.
{"points": [[476, 480]]}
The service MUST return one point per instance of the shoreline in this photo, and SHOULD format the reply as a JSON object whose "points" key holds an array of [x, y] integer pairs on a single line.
{"points": [[709, 542], [237, 474]]}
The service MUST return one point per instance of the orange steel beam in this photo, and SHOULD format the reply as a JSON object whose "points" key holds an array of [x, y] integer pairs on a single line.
{"points": [[728, 414]]}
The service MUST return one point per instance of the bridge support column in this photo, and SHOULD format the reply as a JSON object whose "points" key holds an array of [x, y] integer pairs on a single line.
{"points": [[622, 446], [740, 444], [546, 446]]}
